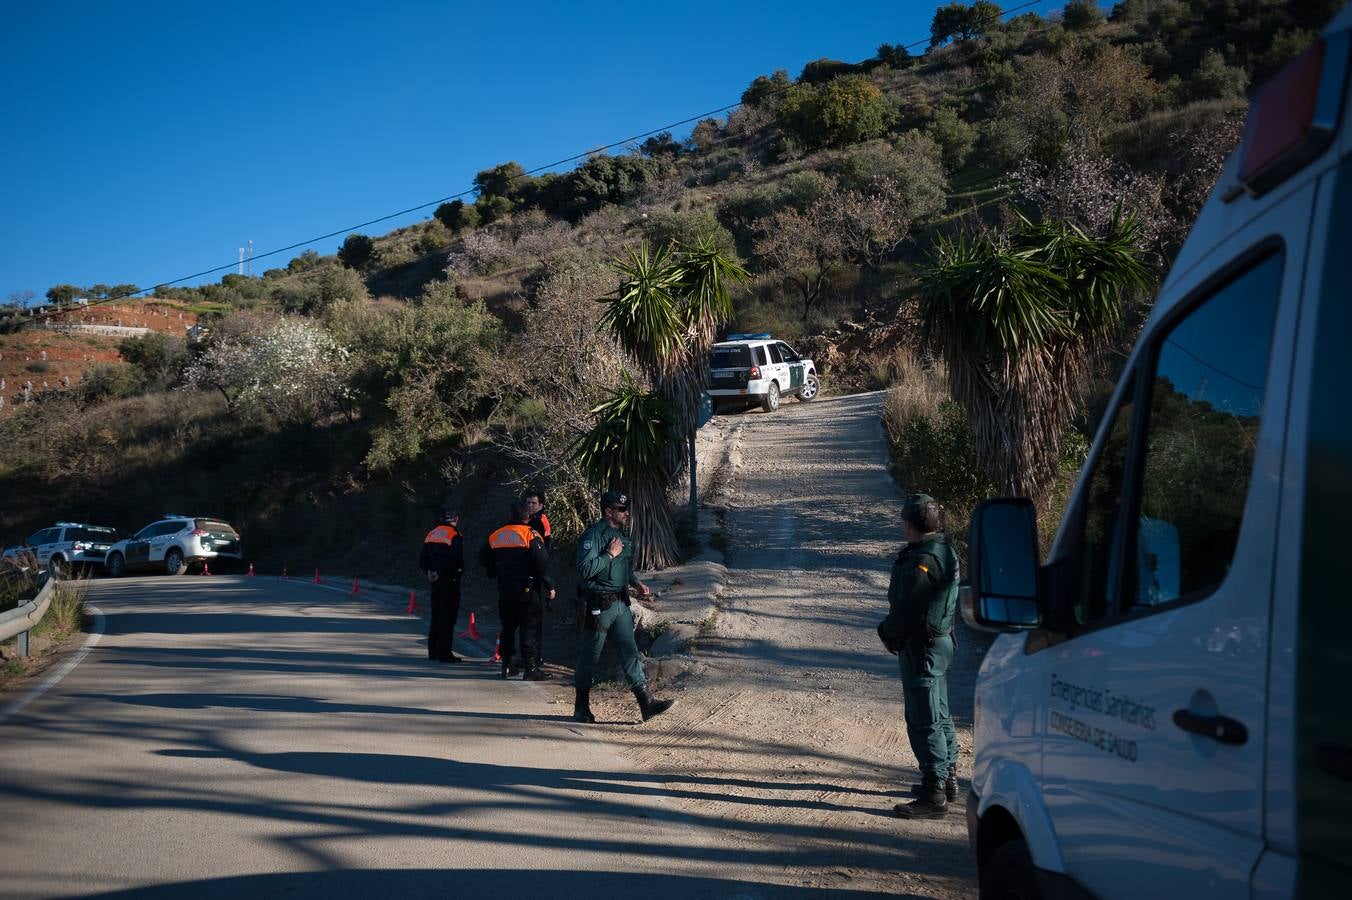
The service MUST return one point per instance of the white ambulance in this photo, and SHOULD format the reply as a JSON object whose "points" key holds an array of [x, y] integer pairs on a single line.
{"points": [[1161, 716]]}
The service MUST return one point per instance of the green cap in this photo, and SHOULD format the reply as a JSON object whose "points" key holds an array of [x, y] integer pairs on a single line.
{"points": [[913, 510]]}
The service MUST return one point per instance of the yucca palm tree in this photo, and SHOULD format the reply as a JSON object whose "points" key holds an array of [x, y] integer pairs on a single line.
{"points": [[666, 313], [1020, 320], [627, 449]]}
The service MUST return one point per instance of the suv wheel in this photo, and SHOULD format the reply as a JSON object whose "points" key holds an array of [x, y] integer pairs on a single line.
{"points": [[1009, 875], [809, 389], [771, 401], [116, 565], [173, 562]]}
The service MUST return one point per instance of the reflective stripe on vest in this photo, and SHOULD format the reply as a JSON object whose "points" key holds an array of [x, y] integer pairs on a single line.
{"points": [[544, 525], [442, 534], [511, 536]]}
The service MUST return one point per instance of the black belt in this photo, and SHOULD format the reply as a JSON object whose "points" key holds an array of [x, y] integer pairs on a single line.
{"points": [[606, 599]]}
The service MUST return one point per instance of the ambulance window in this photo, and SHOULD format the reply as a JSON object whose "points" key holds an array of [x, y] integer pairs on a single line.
{"points": [[1098, 548], [1206, 401]]}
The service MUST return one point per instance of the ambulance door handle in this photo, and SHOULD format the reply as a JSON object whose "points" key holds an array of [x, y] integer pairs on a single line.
{"points": [[1221, 729]]}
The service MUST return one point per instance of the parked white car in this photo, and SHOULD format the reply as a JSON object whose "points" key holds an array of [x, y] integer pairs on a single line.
{"points": [[66, 547], [1164, 714], [753, 369], [174, 543]]}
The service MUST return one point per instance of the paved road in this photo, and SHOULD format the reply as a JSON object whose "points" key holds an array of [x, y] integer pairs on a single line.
{"points": [[792, 682], [248, 737]]}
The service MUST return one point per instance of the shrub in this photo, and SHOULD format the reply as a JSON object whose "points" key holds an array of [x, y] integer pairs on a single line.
{"points": [[38, 367], [767, 89], [669, 227], [356, 251], [481, 253], [846, 110], [1214, 80], [954, 136], [107, 381], [1081, 14], [457, 216], [156, 356], [419, 368], [435, 235], [911, 171]]}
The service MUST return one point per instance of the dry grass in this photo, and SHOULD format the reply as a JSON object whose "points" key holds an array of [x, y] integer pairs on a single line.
{"points": [[914, 388]]}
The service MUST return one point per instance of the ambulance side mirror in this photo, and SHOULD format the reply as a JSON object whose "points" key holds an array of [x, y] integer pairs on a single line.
{"points": [[1003, 595]]}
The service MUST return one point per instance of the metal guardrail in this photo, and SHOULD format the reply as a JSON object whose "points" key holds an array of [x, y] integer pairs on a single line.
{"points": [[19, 621]]}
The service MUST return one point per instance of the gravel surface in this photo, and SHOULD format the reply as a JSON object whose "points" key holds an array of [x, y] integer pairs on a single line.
{"points": [[789, 728]]}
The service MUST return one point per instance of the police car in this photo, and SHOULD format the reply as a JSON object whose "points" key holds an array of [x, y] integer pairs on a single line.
{"points": [[66, 547], [174, 543], [1165, 713], [757, 369]]}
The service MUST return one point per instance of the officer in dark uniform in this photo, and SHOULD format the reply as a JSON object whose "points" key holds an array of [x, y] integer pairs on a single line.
{"points": [[539, 522], [443, 560], [516, 556], [923, 597], [605, 573]]}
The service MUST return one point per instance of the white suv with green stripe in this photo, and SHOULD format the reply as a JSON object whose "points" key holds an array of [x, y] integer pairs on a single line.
{"points": [[750, 369], [173, 544]]}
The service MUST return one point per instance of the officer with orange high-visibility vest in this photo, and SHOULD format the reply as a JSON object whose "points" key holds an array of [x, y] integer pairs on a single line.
{"points": [[443, 560], [516, 556], [535, 508]]}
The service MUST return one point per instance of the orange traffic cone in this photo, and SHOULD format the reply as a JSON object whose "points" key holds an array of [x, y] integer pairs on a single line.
{"points": [[284, 575], [412, 604], [497, 651], [206, 569], [356, 588], [318, 580], [250, 573], [472, 632]]}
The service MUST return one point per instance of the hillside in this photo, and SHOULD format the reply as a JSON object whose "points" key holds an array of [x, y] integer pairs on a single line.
{"points": [[328, 405]]}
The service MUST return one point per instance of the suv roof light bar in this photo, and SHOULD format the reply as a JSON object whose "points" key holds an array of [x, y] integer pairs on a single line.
{"points": [[1294, 117], [759, 336]]}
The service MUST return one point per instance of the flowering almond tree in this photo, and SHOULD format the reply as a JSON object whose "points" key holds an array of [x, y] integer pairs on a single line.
{"points": [[288, 369]]}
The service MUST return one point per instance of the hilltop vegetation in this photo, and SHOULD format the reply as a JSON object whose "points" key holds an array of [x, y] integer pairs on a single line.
{"points": [[461, 353]]}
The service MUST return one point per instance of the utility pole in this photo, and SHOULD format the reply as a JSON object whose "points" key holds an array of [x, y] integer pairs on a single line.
{"points": [[250, 257], [241, 260]]}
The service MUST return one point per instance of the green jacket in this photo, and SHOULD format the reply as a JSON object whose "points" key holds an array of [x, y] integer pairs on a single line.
{"points": [[596, 571], [923, 595]]}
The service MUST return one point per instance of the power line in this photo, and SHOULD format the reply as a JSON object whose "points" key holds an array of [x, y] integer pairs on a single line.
{"points": [[412, 209]]}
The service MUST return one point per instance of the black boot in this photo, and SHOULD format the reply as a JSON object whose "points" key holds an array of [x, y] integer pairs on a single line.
{"points": [[582, 707], [648, 706], [930, 803], [950, 786], [535, 673], [506, 667]]}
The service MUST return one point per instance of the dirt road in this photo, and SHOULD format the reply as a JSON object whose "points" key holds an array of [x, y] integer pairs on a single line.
{"points": [[790, 718]]}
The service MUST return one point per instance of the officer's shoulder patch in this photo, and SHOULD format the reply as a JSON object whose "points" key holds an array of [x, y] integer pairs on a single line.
{"points": [[586, 545]]}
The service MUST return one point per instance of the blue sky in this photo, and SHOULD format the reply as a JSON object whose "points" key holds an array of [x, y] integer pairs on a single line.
{"points": [[145, 141]]}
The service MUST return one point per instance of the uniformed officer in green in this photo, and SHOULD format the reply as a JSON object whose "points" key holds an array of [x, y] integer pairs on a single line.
{"points": [[923, 597], [605, 572]]}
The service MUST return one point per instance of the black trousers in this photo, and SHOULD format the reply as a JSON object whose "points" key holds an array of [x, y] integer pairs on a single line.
{"points": [[522, 612], [445, 610]]}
